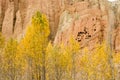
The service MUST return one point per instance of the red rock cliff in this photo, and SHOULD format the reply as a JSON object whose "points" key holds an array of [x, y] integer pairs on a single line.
{"points": [[15, 15], [88, 23], [86, 20]]}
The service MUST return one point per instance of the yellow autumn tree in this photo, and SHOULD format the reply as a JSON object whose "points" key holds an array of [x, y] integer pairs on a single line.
{"points": [[2, 41], [34, 46], [100, 64], [2, 44], [21, 63], [116, 60], [58, 62], [73, 50], [9, 55], [94, 65]]}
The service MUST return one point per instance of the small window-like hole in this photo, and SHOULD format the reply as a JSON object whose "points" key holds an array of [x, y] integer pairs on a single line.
{"points": [[96, 18], [79, 40], [89, 35], [85, 32], [94, 29], [71, 3], [80, 33]]}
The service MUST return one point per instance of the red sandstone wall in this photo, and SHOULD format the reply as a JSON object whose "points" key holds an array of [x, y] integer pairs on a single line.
{"points": [[73, 17]]}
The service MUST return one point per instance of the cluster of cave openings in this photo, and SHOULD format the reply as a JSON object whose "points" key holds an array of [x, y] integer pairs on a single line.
{"points": [[83, 35]]}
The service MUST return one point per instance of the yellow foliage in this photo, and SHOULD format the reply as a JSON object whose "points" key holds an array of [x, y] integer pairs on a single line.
{"points": [[96, 64], [10, 59], [116, 58], [2, 41], [74, 46], [34, 44]]}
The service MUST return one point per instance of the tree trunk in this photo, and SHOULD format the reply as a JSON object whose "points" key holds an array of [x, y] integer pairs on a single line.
{"points": [[43, 77]]}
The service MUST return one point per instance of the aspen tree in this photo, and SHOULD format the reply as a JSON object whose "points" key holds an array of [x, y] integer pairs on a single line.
{"points": [[35, 43], [9, 60], [2, 44], [74, 48]]}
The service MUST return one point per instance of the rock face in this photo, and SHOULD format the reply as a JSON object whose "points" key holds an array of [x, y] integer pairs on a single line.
{"points": [[15, 15], [7, 27], [86, 20], [88, 23], [85, 24]]}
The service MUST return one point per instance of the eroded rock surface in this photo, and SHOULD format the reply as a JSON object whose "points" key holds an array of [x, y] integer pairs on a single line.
{"points": [[11, 11], [86, 20]]}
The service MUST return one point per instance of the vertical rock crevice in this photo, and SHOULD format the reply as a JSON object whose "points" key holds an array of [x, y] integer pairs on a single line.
{"points": [[16, 8]]}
